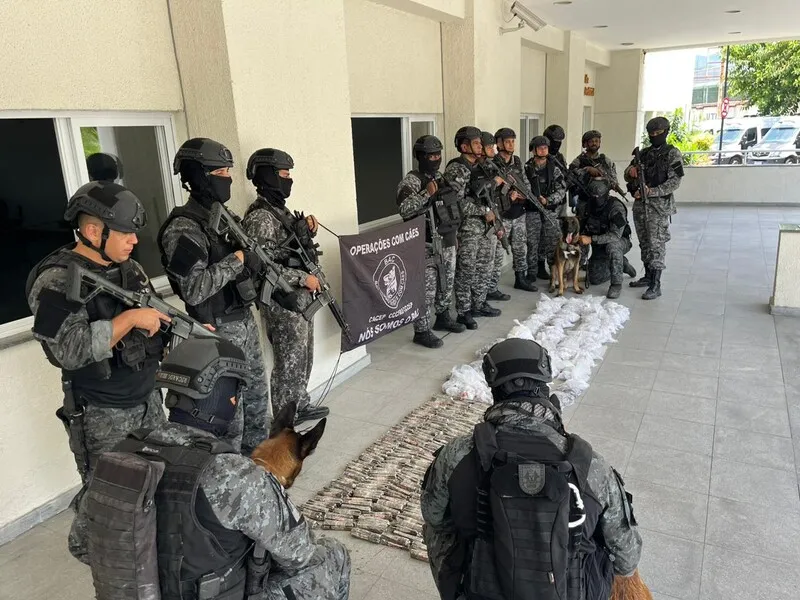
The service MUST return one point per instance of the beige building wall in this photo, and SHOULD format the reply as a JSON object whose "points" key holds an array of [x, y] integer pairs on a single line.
{"points": [[534, 66], [786, 292], [394, 60], [87, 55]]}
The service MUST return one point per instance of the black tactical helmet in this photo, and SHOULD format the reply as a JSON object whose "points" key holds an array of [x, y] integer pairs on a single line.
{"points": [[466, 134], [554, 133], [116, 206], [212, 155], [505, 133], [268, 157], [487, 139], [657, 123], [193, 367], [428, 144], [516, 358], [103, 167], [590, 135], [537, 141]]}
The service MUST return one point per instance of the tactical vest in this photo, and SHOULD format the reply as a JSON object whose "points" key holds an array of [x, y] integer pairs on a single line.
{"points": [[127, 378], [509, 209], [656, 165], [227, 300], [292, 225], [511, 498], [197, 558], [446, 210], [596, 221], [543, 181]]}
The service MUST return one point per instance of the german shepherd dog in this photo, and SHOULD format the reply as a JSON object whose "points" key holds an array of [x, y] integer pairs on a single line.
{"points": [[630, 588], [567, 256], [283, 453]]}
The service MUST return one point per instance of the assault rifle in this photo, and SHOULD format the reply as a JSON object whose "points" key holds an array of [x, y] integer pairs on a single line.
{"points": [[547, 214], [637, 162], [223, 222], [436, 260], [308, 253], [516, 185], [487, 194], [182, 325]]}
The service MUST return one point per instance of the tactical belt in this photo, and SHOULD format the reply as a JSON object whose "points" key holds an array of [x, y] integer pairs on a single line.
{"points": [[236, 315]]}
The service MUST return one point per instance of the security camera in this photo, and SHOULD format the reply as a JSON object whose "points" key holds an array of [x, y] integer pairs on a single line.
{"points": [[526, 17]]}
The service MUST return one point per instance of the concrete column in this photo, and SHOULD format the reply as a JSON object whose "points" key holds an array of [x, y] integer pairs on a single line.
{"points": [[267, 73], [564, 91], [480, 71], [618, 104]]}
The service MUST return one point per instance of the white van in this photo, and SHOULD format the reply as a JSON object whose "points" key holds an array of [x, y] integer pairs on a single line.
{"points": [[781, 145], [738, 135]]}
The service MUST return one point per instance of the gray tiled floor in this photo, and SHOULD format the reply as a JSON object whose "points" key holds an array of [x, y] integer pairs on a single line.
{"points": [[698, 405]]}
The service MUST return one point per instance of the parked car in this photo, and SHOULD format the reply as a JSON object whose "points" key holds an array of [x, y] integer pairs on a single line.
{"points": [[739, 135], [780, 145]]}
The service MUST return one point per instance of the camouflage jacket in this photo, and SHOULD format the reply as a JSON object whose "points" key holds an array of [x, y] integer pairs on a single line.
{"points": [[269, 232], [622, 539], [674, 160], [412, 196], [203, 280], [246, 498], [614, 220], [601, 161], [558, 188], [457, 175]]}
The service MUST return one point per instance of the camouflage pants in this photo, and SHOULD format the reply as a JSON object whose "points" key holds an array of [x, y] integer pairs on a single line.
{"points": [[517, 232], [244, 334], [437, 297], [653, 233], [474, 262], [292, 339], [325, 577], [545, 238], [104, 428], [607, 261]]}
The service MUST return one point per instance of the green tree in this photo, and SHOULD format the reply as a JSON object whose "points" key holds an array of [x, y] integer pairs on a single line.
{"points": [[767, 76]]}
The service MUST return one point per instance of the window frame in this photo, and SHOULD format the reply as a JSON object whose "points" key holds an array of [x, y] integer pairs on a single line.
{"points": [[526, 136], [406, 145], [67, 126]]}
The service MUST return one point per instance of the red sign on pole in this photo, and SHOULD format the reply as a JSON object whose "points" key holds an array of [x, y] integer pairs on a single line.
{"points": [[724, 113], [725, 104]]}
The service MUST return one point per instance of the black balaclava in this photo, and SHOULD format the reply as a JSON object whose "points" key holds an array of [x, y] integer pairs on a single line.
{"points": [[555, 146], [659, 140], [205, 188], [272, 186], [428, 166], [217, 404]]}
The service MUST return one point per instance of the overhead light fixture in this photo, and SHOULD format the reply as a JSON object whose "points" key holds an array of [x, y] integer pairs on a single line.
{"points": [[734, 33], [732, 12], [563, 2], [626, 44], [526, 17], [600, 26]]}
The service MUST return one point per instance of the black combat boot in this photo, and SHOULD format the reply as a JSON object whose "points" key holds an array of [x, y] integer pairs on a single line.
{"points": [[521, 282], [486, 310], [614, 291], [644, 281], [542, 273], [427, 339], [627, 268], [311, 413], [498, 295], [444, 322], [467, 320], [654, 291]]}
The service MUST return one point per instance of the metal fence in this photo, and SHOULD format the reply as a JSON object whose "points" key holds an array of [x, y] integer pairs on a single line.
{"points": [[741, 158]]}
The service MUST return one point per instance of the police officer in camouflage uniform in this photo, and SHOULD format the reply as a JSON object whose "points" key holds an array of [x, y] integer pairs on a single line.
{"points": [[472, 271], [270, 223], [423, 191], [592, 164], [555, 135], [547, 184], [513, 217], [490, 249], [243, 503], [604, 226], [522, 416], [211, 276], [663, 171], [108, 354]]}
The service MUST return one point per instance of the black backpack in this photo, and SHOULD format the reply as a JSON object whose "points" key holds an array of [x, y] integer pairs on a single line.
{"points": [[536, 521]]}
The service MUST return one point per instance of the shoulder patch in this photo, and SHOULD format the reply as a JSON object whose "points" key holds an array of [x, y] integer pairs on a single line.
{"points": [[53, 310], [187, 254]]}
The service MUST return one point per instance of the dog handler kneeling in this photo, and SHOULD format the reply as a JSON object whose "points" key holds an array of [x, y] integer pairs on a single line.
{"points": [[181, 511]]}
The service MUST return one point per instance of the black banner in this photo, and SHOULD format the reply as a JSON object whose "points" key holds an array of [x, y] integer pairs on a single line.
{"points": [[383, 280]]}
